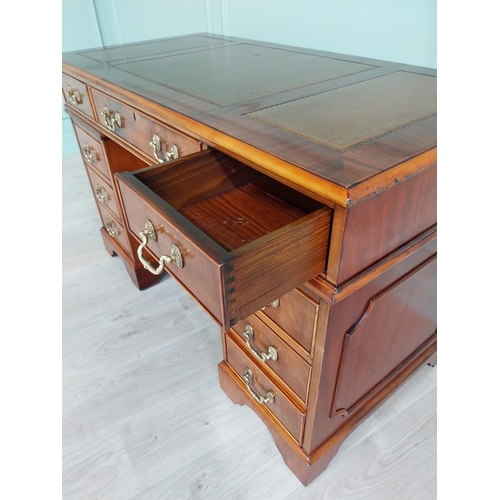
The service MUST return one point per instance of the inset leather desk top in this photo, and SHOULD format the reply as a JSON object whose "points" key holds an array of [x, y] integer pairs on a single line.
{"points": [[343, 119]]}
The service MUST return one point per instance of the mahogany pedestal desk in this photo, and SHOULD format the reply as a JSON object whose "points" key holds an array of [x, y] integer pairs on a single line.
{"points": [[292, 193]]}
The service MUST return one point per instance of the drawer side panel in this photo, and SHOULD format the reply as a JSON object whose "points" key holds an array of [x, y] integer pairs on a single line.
{"points": [[277, 263], [200, 274]]}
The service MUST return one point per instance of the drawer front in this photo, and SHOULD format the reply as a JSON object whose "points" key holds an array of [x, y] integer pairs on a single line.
{"points": [[269, 349], [103, 193], [231, 283], [76, 95], [114, 228], [200, 274], [92, 151], [258, 383], [156, 141], [297, 315]]}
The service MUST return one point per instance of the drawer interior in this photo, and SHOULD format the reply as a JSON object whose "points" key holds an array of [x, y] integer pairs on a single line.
{"points": [[229, 201]]}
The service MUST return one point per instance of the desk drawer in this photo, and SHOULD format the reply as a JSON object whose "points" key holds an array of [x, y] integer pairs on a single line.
{"points": [[158, 142], [103, 193], [76, 94], [245, 238], [114, 228], [92, 151], [259, 341], [296, 314], [258, 384]]}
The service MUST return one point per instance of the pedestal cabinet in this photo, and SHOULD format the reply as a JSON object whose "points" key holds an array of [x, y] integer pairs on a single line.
{"points": [[292, 193]]}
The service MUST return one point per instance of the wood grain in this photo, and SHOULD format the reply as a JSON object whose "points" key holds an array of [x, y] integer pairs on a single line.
{"points": [[293, 370], [390, 456], [139, 130], [325, 173], [109, 159], [95, 148], [99, 470], [279, 245], [295, 317], [367, 468], [387, 221], [240, 216], [280, 252], [346, 314], [85, 106], [394, 325]]}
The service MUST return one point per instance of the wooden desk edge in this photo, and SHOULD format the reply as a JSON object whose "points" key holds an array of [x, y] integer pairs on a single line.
{"points": [[325, 191]]}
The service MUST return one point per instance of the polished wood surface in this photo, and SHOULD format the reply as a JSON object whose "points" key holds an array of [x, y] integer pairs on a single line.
{"points": [[261, 245], [395, 324], [115, 229], [241, 215], [139, 130], [289, 366], [202, 256], [81, 96], [103, 193], [258, 142], [386, 221], [295, 317], [341, 320], [427, 238], [138, 421], [321, 180], [92, 151], [288, 415], [109, 159]]}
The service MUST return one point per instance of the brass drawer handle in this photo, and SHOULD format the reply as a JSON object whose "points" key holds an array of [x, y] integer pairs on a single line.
{"points": [[274, 303], [109, 228], [101, 194], [268, 398], [271, 353], [173, 154], [111, 119], [89, 153], [74, 96], [175, 256]]}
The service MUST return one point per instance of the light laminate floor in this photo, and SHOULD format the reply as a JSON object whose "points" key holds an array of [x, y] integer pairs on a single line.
{"points": [[144, 417]]}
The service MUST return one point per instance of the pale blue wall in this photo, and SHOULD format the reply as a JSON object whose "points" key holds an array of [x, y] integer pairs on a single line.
{"points": [[124, 21], [396, 30]]}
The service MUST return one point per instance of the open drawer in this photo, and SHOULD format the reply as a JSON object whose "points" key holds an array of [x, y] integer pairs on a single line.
{"points": [[233, 237]]}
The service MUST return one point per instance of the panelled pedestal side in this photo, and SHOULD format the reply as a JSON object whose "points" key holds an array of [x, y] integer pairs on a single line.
{"points": [[368, 339], [298, 208]]}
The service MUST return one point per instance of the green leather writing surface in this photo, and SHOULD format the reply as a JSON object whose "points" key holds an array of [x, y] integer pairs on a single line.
{"points": [[111, 54], [344, 117], [232, 74]]}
